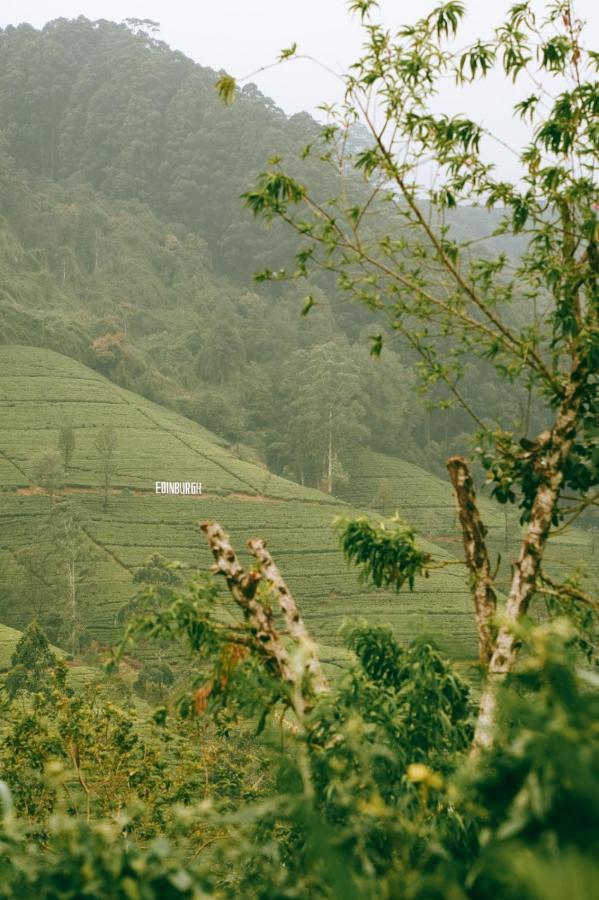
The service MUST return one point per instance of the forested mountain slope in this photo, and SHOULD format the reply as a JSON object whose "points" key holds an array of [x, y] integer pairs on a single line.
{"points": [[124, 244], [40, 390], [109, 105], [114, 108]]}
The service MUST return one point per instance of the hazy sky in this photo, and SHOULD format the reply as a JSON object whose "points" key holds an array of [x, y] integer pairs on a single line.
{"points": [[242, 35]]}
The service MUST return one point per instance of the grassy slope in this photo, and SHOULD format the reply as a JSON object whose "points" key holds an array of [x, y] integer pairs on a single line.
{"points": [[426, 502], [39, 389]]}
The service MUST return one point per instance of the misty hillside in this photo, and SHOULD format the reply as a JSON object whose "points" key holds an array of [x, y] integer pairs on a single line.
{"points": [[125, 245], [105, 105], [96, 103]]}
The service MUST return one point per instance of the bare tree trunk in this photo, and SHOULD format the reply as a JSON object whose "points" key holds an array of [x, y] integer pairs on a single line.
{"points": [[551, 452], [295, 624], [330, 455], [477, 557], [268, 642], [243, 587], [72, 601]]}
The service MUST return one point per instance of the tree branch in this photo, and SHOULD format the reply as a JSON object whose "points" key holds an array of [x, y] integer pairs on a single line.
{"points": [[243, 587], [477, 557], [556, 445], [560, 591], [295, 624]]}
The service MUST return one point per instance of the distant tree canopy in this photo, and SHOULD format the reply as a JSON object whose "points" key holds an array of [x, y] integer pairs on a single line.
{"points": [[66, 444], [34, 667], [116, 108], [47, 471]]}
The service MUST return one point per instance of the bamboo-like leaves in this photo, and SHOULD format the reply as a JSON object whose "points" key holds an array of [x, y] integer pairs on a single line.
{"points": [[386, 556], [226, 88]]}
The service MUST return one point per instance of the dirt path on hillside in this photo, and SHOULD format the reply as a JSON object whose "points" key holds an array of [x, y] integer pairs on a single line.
{"points": [[33, 490]]}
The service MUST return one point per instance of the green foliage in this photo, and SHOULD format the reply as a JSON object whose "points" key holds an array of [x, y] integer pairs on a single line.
{"points": [[386, 556], [92, 859], [118, 218], [34, 668], [374, 796], [534, 318], [534, 796], [226, 88], [368, 791], [47, 471], [288, 52], [432, 702], [227, 678], [321, 415], [546, 753], [154, 678]]}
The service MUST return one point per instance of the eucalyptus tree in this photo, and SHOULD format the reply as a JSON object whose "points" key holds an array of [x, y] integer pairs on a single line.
{"points": [[66, 444], [106, 444], [533, 318], [75, 555], [47, 472], [321, 410]]}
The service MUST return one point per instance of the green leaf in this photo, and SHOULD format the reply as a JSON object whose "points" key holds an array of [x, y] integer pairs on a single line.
{"points": [[363, 7], [368, 160], [448, 18], [226, 88], [289, 52], [376, 345], [308, 304]]}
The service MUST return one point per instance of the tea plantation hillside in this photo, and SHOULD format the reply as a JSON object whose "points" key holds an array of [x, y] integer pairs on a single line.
{"points": [[388, 485], [40, 390]]}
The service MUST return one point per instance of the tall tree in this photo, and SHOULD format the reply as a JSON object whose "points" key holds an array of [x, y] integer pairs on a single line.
{"points": [[47, 472], [66, 444], [535, 320], [38, 583], [382, 496], [74, 551], [321, 410], [106, 444]]}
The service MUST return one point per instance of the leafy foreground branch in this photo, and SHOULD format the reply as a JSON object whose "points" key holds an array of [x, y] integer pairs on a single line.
{"points": [[391, 243], [362, 786]]}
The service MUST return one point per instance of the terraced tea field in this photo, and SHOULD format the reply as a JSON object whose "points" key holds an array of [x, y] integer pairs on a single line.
{"points": [[40, 389], [420, 498]]}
